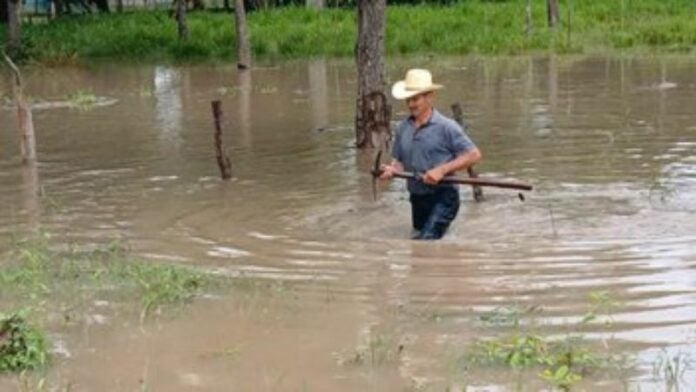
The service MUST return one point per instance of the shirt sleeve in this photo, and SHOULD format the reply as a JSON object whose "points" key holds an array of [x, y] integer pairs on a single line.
{"points": [[459, 142]]}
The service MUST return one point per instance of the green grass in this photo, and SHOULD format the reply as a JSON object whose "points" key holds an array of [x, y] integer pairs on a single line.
{"points": [[33, 274], [474, 26], [564, 362], [22, 346], [560, 361]]}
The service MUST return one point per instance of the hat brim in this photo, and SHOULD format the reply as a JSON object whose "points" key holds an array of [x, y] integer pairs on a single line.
{"points": [[399, 90]]}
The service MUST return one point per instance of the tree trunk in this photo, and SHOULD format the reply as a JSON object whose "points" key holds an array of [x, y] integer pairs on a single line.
{"points": [[14, 27], [372, 109], [227, 6], [119, 6], [25, 122], [529, 22], [316, 4], [181, 19], [243, 51], [59, 8], [552, 13]]}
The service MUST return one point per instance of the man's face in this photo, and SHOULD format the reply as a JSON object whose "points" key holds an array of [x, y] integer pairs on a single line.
{"points": [[419, 104]]}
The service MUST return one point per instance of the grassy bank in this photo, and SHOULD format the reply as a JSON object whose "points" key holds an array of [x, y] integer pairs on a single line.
{"points": [[475, 26]]}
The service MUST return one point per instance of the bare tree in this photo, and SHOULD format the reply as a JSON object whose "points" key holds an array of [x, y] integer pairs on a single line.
{"points": [[243, 50], [25, 122], [372, 109], [552, 13], [14, 27]]}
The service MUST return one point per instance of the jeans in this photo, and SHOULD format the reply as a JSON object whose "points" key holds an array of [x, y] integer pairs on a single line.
{"points": [[433, 213]]}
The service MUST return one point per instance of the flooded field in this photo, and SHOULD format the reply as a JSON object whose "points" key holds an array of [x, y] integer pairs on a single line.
{"points": [[608, 142]]}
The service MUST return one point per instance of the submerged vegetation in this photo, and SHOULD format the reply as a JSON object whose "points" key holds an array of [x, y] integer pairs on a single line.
{"points": [[476, 26], [560, 361], [35, 271], [563, 362], [58, 286], [83, 100], [377, 349]]}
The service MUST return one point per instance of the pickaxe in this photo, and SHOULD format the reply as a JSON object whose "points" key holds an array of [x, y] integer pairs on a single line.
{"points": [[480, 181]]}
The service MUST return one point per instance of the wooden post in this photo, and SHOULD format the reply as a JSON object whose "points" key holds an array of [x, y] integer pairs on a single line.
{"points": [[25, 123], [369, 53], [181, 19], [552, 13], [223, 160], [243, 49], [459, 118]]}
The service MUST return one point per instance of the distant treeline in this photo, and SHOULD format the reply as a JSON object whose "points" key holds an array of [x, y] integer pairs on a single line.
{"points": [[473, 26]]}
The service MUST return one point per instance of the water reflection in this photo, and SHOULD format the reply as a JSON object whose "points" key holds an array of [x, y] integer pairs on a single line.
{"points": [[245, 89], [168, 103], [31, 192], [318, 93]]}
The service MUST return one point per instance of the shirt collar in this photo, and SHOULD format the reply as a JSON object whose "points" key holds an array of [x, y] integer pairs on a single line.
{"points": [[434, 117]]}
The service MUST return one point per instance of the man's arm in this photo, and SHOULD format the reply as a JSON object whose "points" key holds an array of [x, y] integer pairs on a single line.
{"points": [[462, 161]]}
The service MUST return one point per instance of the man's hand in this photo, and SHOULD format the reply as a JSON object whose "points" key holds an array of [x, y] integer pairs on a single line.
{"points": [[388, 171], [434, 176]]}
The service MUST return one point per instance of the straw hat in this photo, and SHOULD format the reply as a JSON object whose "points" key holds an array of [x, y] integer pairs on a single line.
{"points": [[417, 81]]}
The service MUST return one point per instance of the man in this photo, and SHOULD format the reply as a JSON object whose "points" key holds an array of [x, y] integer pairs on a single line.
{"points": [[433, 146]]}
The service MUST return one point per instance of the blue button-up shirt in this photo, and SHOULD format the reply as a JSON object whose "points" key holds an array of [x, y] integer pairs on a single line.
{"points": [[438, 141]]}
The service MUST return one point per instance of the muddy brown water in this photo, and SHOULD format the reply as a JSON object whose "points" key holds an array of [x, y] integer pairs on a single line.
{"points": [[609, 143]]}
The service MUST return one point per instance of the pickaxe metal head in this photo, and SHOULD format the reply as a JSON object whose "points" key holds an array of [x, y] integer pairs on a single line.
{"points": [[376, 172]]}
